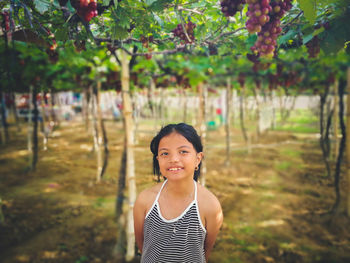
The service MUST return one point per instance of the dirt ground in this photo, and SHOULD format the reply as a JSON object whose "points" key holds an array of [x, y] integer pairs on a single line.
{"points": [[275, 198]]}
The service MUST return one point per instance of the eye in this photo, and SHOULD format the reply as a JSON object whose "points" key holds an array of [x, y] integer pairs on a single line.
{"points": [[183, 152], [163, 154]]}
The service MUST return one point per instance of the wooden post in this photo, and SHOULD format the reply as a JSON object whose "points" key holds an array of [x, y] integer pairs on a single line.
{"points": [[98, 125], [348, 140], [202, 90], [183, 91], [227, 121], [130, 164], [335, 120], [30, 127]]}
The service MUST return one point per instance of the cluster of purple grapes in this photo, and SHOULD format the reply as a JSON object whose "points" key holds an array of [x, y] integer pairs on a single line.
{"points": [[231, 7], [86, 9], [268, 32], [258, 15], [313, 47], [179, 32]]}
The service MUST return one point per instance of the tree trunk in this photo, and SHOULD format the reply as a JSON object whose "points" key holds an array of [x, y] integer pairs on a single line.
{"points": [[152, 103], [161, 106], [227, 122], [30, 128], [324, 138], [184, 116], [15, 114], [85, 110], [241, 114], [52, 110], [35, 129], [94, 130], [234, 108], [97, 133], [119, 249], [45, 122], [257, 112], [335, 122], [341, 91], [348, 141], [4, 125], [273, 121], [284, 110], [102, 137], [130, 164], [203, 96]]}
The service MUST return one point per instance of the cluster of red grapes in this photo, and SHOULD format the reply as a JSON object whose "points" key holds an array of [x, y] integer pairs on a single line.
{"points": [[51, 51], [86, 9], [265, 19], [145, 43], [179, 32], [313, 47], [145, 40], [231, 7], [258, 15], [5, 21], [5, 24]]}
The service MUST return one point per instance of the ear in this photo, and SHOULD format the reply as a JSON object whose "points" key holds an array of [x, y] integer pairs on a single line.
{"points": [[199, 158]]}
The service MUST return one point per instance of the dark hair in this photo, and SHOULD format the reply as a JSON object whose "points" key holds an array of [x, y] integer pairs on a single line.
{"points": [[186, 131]]}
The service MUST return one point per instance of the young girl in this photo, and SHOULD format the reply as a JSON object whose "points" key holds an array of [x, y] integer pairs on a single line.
{"points": [[177, 220]]}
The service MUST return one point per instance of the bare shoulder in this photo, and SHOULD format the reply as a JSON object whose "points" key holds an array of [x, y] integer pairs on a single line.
{"points": [[207, 201], [146, 198]]}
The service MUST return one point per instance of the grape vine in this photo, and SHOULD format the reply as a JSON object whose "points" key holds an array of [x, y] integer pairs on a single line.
{"points": [[86, 9], [179, 32], [231, 7], [264, 19], [313, 47]]}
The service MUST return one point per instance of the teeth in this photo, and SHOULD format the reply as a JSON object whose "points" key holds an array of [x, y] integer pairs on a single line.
{"points": [[174, 169]]}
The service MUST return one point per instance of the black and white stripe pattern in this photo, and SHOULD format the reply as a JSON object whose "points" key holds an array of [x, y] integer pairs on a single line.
{"points": [[177, 240]]}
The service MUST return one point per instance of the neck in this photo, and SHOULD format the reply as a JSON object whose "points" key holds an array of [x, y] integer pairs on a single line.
{"points": [[180, 188]]}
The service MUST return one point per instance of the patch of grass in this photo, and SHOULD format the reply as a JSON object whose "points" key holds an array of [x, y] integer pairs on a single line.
{"points": [[297, 129], [102, 202], [291, 152], [283, 166], [251, 248], [245, 230]]}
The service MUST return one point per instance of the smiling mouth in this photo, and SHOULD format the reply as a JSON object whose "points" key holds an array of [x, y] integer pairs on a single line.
{"points": [[174, 169]]}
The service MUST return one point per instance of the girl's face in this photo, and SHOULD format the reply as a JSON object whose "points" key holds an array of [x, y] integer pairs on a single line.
{"points": [[177, 157]]}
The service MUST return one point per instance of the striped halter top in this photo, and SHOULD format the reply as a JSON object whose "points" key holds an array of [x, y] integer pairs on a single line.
{"points": [[177, 240]]}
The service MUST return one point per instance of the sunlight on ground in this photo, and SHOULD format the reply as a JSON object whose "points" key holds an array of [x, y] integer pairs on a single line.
{"points": [[268, 223], [85, 147], [15, 154]]}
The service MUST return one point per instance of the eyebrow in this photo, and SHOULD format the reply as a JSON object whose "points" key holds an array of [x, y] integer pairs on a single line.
{"points": [[183, 146]]}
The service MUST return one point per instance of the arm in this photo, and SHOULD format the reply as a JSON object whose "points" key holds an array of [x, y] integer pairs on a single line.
{"points": [[214, 221], [139, 218]]}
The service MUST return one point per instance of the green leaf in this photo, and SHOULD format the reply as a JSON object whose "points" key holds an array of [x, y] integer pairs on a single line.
{"points": [[42, 5], [307, 38], [62, 33], [119, 32], [158, 19], [106, 2], [318, 31], [251, 40], [116, 4], [158, 5], [288, 36], [309, 8], [335, 39], [150, 2]]}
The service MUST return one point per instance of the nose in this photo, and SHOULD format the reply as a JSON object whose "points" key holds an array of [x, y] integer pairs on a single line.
{"points": [[174, 158]]}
